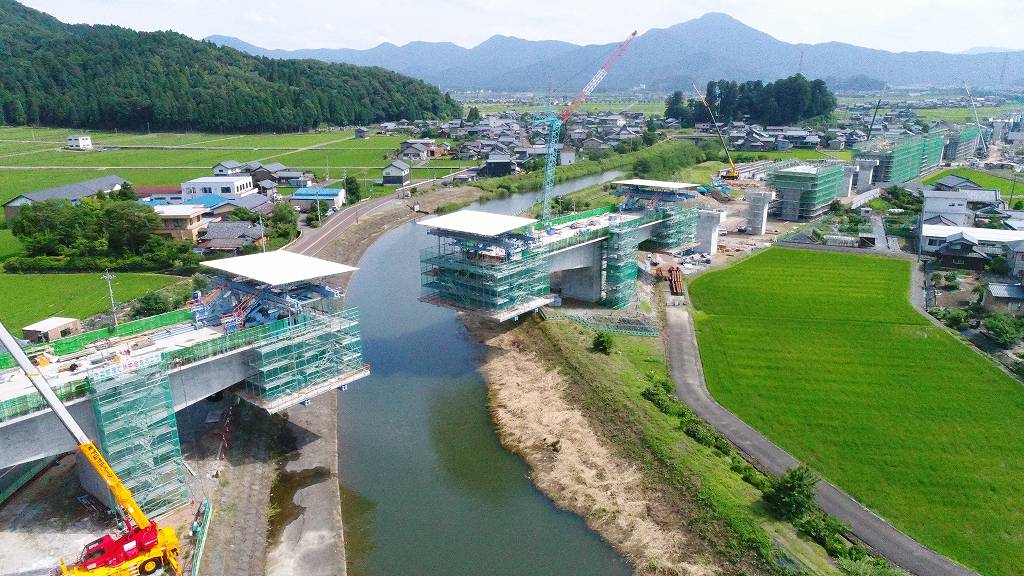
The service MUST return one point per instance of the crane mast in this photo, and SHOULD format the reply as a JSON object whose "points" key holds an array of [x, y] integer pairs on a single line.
{"points": [[555, 123]]}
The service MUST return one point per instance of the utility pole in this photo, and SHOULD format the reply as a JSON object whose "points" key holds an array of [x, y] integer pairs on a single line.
{"points": [[110, 291], [264, 230]]}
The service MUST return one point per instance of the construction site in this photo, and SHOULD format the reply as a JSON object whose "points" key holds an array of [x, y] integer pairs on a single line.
{"points": [[270, 329]]}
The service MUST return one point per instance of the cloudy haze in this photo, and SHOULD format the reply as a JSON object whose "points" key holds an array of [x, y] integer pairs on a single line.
{"points": [[898, 25]]}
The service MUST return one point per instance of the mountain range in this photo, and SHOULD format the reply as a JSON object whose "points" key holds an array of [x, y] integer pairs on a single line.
{"points": [[714, 46]]}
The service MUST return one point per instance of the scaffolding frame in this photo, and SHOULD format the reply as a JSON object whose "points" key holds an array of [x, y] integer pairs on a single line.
{"points": [[902, 159], [465, 275], [806, 190], [320, 349], [678, 227], [138, 434], [621, 269]]}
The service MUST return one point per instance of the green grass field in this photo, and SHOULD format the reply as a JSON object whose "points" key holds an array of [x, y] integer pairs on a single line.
{"points": [[985, 180], [648, 108], [9, 245], [795, 153], [701, 173], [27, 155], [824, 354], [28, 298]]}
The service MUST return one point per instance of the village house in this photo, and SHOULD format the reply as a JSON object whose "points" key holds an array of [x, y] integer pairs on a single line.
{"points": [[230, 236], [397, 172], [73, 193], [181, 221]]}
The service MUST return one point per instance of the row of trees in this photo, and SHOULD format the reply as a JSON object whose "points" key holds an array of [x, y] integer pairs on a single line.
{"points": [[109, 77], [786, 101]]}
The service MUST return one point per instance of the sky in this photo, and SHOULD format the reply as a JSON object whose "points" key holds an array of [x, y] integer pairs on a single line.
{"points": [[897, 25]]}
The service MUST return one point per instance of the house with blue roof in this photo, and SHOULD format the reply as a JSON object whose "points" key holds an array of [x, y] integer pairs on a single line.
{"points": [[304, 197]]}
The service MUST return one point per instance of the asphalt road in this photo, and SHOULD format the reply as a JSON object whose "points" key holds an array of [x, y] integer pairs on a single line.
{"points": [[688, 375], [313, 240]]}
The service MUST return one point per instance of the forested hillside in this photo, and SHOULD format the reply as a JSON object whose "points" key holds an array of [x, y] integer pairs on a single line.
{"points": [[110, 77]]}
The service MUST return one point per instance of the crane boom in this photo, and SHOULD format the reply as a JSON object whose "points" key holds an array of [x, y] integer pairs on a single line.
{"points": [[598, 77], [555, 122], [122, 495], [732, 174]]}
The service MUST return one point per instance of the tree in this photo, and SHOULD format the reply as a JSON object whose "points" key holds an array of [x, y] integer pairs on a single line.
{"points": [[353, 189], [1004, 329], [791, 496], [998, 265], [603, 342], [128, 226], [244, 215], [199, 282], [126, 193], [150, 305], [473, 116], [317, 212], [283, 214]]}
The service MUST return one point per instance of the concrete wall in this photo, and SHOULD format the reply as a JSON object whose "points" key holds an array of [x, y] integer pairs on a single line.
{"points": [[757, 215], [865, 173], [708, 222]]}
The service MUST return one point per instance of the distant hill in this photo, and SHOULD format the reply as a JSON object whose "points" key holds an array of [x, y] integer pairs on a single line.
{"points": [[110, 77], [714, 46]]}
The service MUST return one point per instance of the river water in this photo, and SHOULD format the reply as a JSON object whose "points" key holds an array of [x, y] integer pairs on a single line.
{"points": [[426, 487]]}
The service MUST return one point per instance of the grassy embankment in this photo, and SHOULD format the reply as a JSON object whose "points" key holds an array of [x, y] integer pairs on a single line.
{"points": [[721, 508], [983, 179], [824, 354]]}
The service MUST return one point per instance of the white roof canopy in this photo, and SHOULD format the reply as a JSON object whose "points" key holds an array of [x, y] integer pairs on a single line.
{"points": [[278, 267], [49, 324], [660, 184], [476, 222]]}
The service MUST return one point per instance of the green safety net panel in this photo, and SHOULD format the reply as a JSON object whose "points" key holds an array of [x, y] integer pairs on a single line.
{"points": [[75, 343]]}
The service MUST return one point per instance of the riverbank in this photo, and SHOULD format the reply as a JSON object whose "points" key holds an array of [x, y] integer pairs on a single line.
{"points": [[597, 447]]}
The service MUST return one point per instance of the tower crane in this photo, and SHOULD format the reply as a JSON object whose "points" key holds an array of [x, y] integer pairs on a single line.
{"points": [[143, 548], [555, 123], [732, 173]]}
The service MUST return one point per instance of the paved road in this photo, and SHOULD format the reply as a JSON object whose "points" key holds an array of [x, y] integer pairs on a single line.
{"points": [[688, 374], [313, 240]]}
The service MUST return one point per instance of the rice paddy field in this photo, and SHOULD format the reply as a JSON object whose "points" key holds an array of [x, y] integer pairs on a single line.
{"points": [[33, 158], [823, 353]]}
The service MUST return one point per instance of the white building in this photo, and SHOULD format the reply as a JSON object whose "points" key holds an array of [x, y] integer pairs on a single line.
{"points": [[231, 187], [79, 142]]}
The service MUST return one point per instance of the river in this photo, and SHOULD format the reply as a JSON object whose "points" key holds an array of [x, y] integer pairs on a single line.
{"points": [[426, 486]]}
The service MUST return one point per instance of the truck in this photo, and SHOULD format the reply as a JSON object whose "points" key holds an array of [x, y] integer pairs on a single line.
{"points": [[143, 549]]}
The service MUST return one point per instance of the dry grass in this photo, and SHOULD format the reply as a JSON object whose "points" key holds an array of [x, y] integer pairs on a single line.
{"points": [[577, 470]]}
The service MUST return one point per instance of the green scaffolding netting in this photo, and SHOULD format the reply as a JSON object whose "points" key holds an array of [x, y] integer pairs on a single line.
{"points": [[76, 343], [320, 346], [138, 434]]}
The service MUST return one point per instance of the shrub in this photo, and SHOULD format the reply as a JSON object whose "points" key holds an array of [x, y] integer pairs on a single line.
{"points": [[791, 496], [1004, 329], [603, 342], [665, 403], [150, 305]]}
